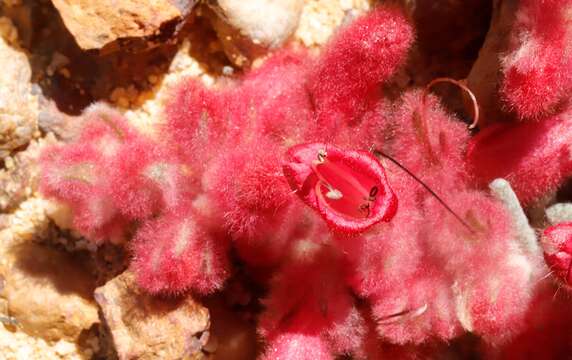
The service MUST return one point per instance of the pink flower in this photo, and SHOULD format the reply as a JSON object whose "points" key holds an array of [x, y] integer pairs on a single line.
{"points": [[533, 156], [557, 245], [348, 188]]}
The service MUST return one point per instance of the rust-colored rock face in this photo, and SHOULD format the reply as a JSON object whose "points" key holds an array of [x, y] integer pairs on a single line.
{"points": [[18, 106], [146, 327], [95, 24], [47, 291]]}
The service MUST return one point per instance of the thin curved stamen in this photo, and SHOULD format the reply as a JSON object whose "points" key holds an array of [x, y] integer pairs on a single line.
{"points": [[462, 86]]}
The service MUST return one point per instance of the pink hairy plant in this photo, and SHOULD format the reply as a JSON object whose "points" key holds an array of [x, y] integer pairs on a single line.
{"points": [[292, 169], [557, 245], [537, 69], [441, 294]]}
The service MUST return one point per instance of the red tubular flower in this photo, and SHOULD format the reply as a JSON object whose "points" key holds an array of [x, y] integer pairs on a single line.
{"points": [[348, 188], [533, 156], [367, 52], [537, 71], [557, 245], [278, 103]]}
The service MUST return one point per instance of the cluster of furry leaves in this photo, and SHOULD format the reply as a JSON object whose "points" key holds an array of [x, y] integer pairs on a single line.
{"points": [[533, 153], [213, 181]]}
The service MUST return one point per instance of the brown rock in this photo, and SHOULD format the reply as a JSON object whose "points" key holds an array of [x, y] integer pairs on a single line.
{"points": [[48, 291], [51, 120], [44, 292], [18, 106], [146, 327], [20, 176], [95, 24]]}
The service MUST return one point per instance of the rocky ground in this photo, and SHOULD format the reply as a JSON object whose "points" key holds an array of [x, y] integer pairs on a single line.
{"points": [[62, 297]]}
